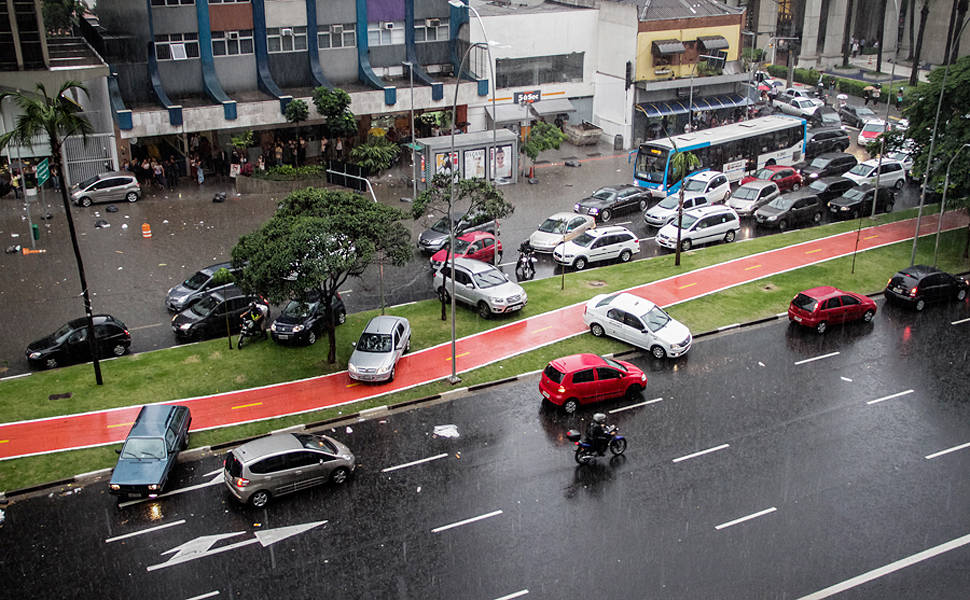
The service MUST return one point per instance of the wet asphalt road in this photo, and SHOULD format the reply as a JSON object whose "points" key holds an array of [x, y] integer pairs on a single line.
{"points": [[129, 276], [831, 452]]}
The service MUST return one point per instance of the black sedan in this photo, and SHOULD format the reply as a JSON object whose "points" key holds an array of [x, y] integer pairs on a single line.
{"points": [[69, 344], [917, 285], [212, 315], [858, 201], [614, 199], [829, 188], [303, 322], [856, 116]]}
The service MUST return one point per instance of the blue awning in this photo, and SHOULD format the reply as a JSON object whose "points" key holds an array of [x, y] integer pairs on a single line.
{"points": [[663, 109]]}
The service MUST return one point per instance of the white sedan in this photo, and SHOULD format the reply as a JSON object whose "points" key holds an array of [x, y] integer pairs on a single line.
{"points": [[637, 321], [558, 228]]}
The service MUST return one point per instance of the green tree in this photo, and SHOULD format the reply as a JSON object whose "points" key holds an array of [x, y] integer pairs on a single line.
{"points": [[542, 136], [314, 242], [682, 164], [58, 117], [376, 155], [297, 111], [334, 106], [62, 14]]}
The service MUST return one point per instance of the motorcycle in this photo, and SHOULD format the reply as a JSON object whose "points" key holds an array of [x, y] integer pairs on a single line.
{"points": [[249, 330], [525, 265], [585, 454]]}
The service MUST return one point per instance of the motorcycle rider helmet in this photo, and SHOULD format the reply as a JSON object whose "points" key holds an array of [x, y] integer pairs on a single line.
{"points": [[599, 418]]}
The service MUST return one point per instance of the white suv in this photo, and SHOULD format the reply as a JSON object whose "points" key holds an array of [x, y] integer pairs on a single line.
{"points": [[891, 173], [480, 285], [637, 321], [595, 245], [701, 226]]}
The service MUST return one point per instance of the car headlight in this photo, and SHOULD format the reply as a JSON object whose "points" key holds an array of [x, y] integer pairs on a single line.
{"points": [[154, 487], [351, 368], [843, 208], [273, 327], [298, 329], [495, 300], [185, 326], [35, 355], [384, 369], [114, 486], [773, 218]]}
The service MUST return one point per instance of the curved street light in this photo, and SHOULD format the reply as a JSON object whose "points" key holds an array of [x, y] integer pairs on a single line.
{"points": [[946, 185]]}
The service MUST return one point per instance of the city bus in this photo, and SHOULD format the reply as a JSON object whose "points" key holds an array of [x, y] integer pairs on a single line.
{"points": [[736, 149]]}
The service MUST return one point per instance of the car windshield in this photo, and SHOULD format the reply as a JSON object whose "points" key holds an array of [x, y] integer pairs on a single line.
{"points": [[806, 303], [651, 164], [764, 174], [874, 127], [461, 245], [686, 221], [864, 113], [136, 448], [818, 186], [196, 281], [695, 185], [900, 156], [374, 342], [315, 442], [614, 364], [61, 334], [656, 319], [585, 239], [781, 203], [603, 194], [299, 310], [861, 169], [670, 202], [831, 119], [552, 225], [204, 306], [87, 182], [489, 278], [745, 193], [820, 163], [441, 225], [854, 194]]}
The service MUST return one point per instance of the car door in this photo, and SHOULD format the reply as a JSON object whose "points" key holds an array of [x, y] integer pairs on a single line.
{"points": [[851, 308], [830, 311], [600, 248], [800, 211], [609, 383], [475, 250], [723, 187], [768, 193], [632, 331], [307, 468], [934, 287], [615, 324], [464, 286], [574, 228], [215, 321], [584, 386], [77, 347], [273, 474], [400, 341]]}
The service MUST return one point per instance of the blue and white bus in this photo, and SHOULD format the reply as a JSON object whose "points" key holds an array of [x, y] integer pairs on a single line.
{"points": [[736, 150]]}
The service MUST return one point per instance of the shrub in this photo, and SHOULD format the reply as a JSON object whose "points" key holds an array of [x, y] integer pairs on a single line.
{"points": [[290, 173], [376, 155]]}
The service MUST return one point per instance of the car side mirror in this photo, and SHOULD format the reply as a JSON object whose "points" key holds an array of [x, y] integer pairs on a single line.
{"points": [[470, 286]]}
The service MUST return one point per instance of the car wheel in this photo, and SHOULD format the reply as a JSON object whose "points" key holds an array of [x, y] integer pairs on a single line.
{"points": [[393, 372], [50, 362], [782, 225], [889, 207], [633, 392], [131, 197], [85, 202], [685, 245], [444, 295], [259, 499], [119, 350], [817, 217], [625, 256], [729, 236], [821, 327], [311, 338], [795, 187], [341, 317], [899, 184], [570, 406], [658, 351], [920, 304], [643, 205], [483, 310], [340, 475], [596, 329], [867, 317], [606, 215], [580, 263]]}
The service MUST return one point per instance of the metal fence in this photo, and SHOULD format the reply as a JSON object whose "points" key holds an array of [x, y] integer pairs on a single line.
{"points": [[86, 158]]}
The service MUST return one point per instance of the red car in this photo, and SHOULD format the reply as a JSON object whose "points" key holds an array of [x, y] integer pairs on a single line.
{"points": [[586, 378], [786, 178], [479, 245], [823, 306]]}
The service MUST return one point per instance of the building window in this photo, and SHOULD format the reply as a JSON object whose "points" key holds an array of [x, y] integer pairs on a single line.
{"points": [[177, 46], [512, 72], [171, 2], [232, 42], [385, 33], [432, 30], [337, 36], [286, 39], [227, 1]]}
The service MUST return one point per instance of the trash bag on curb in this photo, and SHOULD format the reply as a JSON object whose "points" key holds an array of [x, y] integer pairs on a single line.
{"points": [[111, 208], [219, 197]]}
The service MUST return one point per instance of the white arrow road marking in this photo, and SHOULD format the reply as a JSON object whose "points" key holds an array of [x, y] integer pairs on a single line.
{"points": [[214, 481], [202, 546]]}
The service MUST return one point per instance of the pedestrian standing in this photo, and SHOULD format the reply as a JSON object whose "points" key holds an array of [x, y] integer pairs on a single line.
{"points": [[200, 173], [340, 148], [15, 181], [899, 99], [866, 96], [278, 153], [56, 178], [323, 148], [855, 48], [159, 172]]}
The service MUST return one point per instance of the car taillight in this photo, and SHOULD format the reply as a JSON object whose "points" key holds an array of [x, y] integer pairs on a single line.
{"points": [[889, 282], [561, 390], [240, 482], [913, 291]]}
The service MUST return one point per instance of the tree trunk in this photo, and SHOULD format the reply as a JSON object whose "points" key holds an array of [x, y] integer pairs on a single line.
{"points": [[949, 32], [847, 34], [882, 28], [923, 14], [961, 15], [912, 25]]}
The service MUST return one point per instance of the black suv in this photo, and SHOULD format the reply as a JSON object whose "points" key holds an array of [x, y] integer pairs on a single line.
{"points": [[856, 116], [208, 316], [828, 188], [69, 344], [146, 460], [858, 200], [829, 163], [825, 116], [795, 208], [920, 284], [825, 139], [303, 322]]}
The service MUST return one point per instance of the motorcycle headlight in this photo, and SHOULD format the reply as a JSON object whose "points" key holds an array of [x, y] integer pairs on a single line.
{"points": [[185, 326], [298, 329]]}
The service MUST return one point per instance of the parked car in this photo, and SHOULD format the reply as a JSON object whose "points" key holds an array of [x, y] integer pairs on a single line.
{"points": [[612, 200], [790, 210], [826, 117], [856, 116], [700, 226], [597, 245], [713, 185], [198, 285], [797, 106], [825, 139], [891, 174], [904, 158], [918, 285], [481, 286], [383, 342], [282, 463], [857, 200], [69, 344], [435, 237], [786, 178], [106, 187], [752, 195], [159, 433], [828, 188], [213, 313], [572, 381], [479, 245], [303, 322], [830, 163], [637, 321], [870, 131], [665, 211], [558, 228], [797, 92], [820, 307]]}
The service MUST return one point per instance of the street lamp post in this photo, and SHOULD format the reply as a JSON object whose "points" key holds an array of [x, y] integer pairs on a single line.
{"points": [[946, 185], [690, 101], [414, 162], [747, 94]]}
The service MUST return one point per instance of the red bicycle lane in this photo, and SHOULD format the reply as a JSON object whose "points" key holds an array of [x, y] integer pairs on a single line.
{"points": [[96, 428]]}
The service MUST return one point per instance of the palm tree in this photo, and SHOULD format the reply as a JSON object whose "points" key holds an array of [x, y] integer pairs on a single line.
{"points": [[59, 117], [683, 163]]}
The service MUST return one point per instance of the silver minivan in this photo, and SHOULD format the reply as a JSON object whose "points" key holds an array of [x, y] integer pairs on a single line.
{"points": [[282, 463], [106, 187]]}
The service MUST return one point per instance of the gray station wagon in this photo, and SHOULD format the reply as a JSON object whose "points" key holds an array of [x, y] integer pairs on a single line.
{"points": [[160, 431]]}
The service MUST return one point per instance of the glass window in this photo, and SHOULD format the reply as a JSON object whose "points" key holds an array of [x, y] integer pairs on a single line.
{"points": [[584, 376], [806, 303], [286, 39], [385, 33], [536, 70], [607, 373], [424, 33], [849, 301], [136, 448], [269, 465], [302, 459], [177, 46], [232, 43], [171, 2], [553, 374]]}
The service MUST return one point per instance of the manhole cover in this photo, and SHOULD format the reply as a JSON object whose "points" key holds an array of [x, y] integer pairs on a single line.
{"points": [[596, 283]]}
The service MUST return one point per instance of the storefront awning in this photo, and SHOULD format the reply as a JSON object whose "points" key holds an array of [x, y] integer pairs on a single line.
{"points": [[669, 47], [553, 107], [663, 109], [508, 113], [713, 42]]}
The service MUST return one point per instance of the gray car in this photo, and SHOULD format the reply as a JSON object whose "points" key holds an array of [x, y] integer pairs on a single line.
{"points": [[282, 463], [106, 187], [435, 237], [201, 283], [382, 343], [482, 286]]}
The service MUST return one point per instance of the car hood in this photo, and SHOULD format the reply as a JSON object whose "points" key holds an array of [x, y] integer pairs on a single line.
{"points": [[541, 239], [843, 201], [740, 204], [769, 211], [290, 320], [370, 360], [138, 472], [179, 293], [593, 202], [185, 317], [42, 345], [669, 230], [443, 255], [660, 212], [673, 332], [430, 236]]}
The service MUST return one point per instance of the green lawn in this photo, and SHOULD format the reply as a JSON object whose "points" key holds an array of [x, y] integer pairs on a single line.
{"points": [[209, 367]]}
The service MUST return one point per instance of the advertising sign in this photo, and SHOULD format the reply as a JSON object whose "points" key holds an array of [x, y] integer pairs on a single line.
{"points": [[474, 163]]}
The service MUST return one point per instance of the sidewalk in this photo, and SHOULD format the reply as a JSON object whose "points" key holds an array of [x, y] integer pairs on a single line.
{"points": [[110, 426]]}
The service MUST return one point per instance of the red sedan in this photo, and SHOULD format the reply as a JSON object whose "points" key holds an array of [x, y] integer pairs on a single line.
{"points": [[823, 306], [586, 378], [479, 245], [786, 178]]}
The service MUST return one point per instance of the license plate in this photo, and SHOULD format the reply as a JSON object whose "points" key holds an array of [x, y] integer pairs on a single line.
{"points": [[515, 307], [283, 336], [833, 209], [545, 393], [797, 318]]}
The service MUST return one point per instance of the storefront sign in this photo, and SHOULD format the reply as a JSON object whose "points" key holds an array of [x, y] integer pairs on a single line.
{"points": [[527, 97]]}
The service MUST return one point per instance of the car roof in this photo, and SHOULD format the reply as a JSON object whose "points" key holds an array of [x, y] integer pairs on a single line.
{"points": [[616, 187], [710, 209], [574, 362], [270, 444], [472, 236], [108, 174], [822, 292], [919, 271], [98, 320], [833, 178], [151, 419], [383, 324], [816, 130], [705, 175], [475, 266], [632, 303], [565, 216], [776, 167], [874, 122], [211, 269], [833, 155], [872, 162], [599, 231], [757, 184], [802, 193], [826, 109]]}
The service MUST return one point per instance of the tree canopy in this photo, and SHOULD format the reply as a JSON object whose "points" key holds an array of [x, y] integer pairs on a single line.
{"points": [[479, 194], [542, 136], [334, 106]]}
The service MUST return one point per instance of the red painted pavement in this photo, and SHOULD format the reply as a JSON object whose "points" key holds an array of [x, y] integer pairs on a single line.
{"points": [[111, 426]]}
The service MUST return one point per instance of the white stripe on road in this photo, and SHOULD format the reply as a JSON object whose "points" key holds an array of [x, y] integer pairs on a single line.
{"points": [[616, 410], [747, 518], [149, 530], [890, 397], [416, 462], [215, 481], [960, 322], [845, 379], [702, 452], [145, 326], [947, 451], [201, 597], [808, 360], [466, 521], [517, 594], [624, 223], [211, 473], [887, 569]]}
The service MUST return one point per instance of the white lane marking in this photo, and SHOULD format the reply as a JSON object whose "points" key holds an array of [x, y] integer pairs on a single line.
{"points": [[145, 326], [780, 315], [647, 239], [517, 594], [890, 397], [702, 452], [808, 360], [747, 518], [508, 264], [622, 408], [887, 569], [215, 481], [345, 292], [960, 321], [761, 364], [466, 521], [202, 596], [149, 530], [211, 473], [416, 462], [947, 451], [404, 304], [845, 379]]}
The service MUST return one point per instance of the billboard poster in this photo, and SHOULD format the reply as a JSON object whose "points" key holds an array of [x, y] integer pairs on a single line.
{"points": [[441, 162], [474, 163], [501, 159]]}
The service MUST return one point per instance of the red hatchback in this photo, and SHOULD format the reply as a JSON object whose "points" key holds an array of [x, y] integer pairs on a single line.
{"points": [[786, 178], [479, 245], [823, 306], [586, 378]]}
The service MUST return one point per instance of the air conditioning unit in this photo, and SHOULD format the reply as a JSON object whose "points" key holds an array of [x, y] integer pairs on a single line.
{"points": [[432, 22], [387, 25], [338, 29], [286, 31], [233, 35]]}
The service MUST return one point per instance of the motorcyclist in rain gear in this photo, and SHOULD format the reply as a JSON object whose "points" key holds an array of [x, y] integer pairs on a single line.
{"points": [[597, 433]]}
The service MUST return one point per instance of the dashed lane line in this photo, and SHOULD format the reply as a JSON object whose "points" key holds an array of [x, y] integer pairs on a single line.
{"points": [[517, 594], [687, 286], [814, 358], [752, 267], [890, 397], [415, 462], [622, 408], [494, 513], [143, 531], [121, 425], [702, 453], [459, 355], [961, 321], [204, 596], [247, 405], [760, 513], [814, 251], [947, 451]]}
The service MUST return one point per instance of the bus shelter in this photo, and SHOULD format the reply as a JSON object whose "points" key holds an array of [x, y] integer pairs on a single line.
{"points": [[476, 154]]}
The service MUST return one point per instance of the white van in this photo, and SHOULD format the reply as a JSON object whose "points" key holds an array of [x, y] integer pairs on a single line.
{"points": [[701, 226]]}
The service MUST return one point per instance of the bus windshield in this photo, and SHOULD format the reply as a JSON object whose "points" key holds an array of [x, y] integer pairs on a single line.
{"points": [[651, 164]]}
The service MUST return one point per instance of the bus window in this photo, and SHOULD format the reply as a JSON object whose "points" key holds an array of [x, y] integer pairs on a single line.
{"points": [[651, 164]]}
